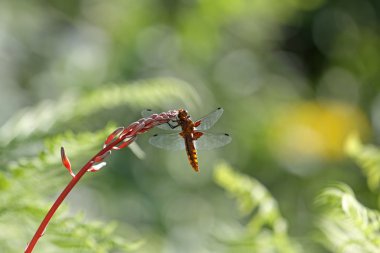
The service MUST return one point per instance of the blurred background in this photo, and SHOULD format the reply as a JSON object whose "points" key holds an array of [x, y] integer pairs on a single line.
{"points": [[294, 77]]}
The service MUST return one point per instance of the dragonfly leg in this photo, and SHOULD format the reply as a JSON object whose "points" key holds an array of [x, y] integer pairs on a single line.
{"points": [[172, 126]]}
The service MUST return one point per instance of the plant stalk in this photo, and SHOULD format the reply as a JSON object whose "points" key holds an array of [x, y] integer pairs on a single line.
{"points": [[41, 229]]}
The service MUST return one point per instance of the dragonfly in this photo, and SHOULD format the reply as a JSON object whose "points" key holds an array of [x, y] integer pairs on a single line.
{"points": [[191, 135]]}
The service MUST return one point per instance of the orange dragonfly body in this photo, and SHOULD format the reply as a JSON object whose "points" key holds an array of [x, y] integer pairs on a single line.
{"points": [[192, 136]]}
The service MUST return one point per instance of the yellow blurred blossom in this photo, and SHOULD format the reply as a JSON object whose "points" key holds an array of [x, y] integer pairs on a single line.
{"points": [[315, 131]]}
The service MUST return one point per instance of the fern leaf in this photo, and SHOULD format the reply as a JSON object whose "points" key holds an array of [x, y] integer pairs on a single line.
{"points": [[367, 157], [40, 119], [266, 230], [25, 186], [347, 225]]}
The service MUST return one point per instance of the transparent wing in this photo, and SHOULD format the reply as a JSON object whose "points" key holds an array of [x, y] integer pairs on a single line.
{"points": [[147, 112], [209, 120], [168, 141], [210, 141]]}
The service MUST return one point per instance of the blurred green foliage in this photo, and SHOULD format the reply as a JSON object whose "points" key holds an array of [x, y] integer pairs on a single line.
{"points": [[266, 229], [24, 184], [296, 79], [367, 157], [347, 225]]}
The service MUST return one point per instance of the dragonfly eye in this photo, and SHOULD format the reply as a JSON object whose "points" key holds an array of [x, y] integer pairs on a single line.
{"points": [[182, 114]]}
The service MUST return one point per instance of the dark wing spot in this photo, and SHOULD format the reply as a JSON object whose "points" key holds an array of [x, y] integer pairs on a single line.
{"points": [[155, 135], [219, 108], [226, 134], [149, 110]]}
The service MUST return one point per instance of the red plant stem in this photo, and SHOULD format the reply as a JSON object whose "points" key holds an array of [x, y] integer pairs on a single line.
{"points": [[63, 195], [129, 133]]}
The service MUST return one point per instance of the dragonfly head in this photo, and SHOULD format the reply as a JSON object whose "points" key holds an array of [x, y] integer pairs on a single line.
{"points": [[182, 114]]}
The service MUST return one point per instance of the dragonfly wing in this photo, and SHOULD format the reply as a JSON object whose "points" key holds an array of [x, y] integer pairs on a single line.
{"points": [[148, 112], [210, 141], [168, 141], [209, 120]]}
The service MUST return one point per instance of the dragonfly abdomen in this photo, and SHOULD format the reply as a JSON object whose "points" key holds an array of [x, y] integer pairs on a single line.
{"points": [[191, 152]]}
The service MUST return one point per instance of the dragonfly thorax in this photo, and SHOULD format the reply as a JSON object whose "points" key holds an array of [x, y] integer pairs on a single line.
{"points": [[185, 122]]}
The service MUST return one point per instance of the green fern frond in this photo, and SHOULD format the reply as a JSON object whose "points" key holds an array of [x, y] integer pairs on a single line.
{"points": [[71, 233], [367, 157], [347, 225], [137, 95], [266, 230], [25, 186]]}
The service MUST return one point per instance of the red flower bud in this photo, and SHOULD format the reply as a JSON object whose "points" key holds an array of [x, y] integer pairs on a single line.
{"points": [[66, 162]]}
